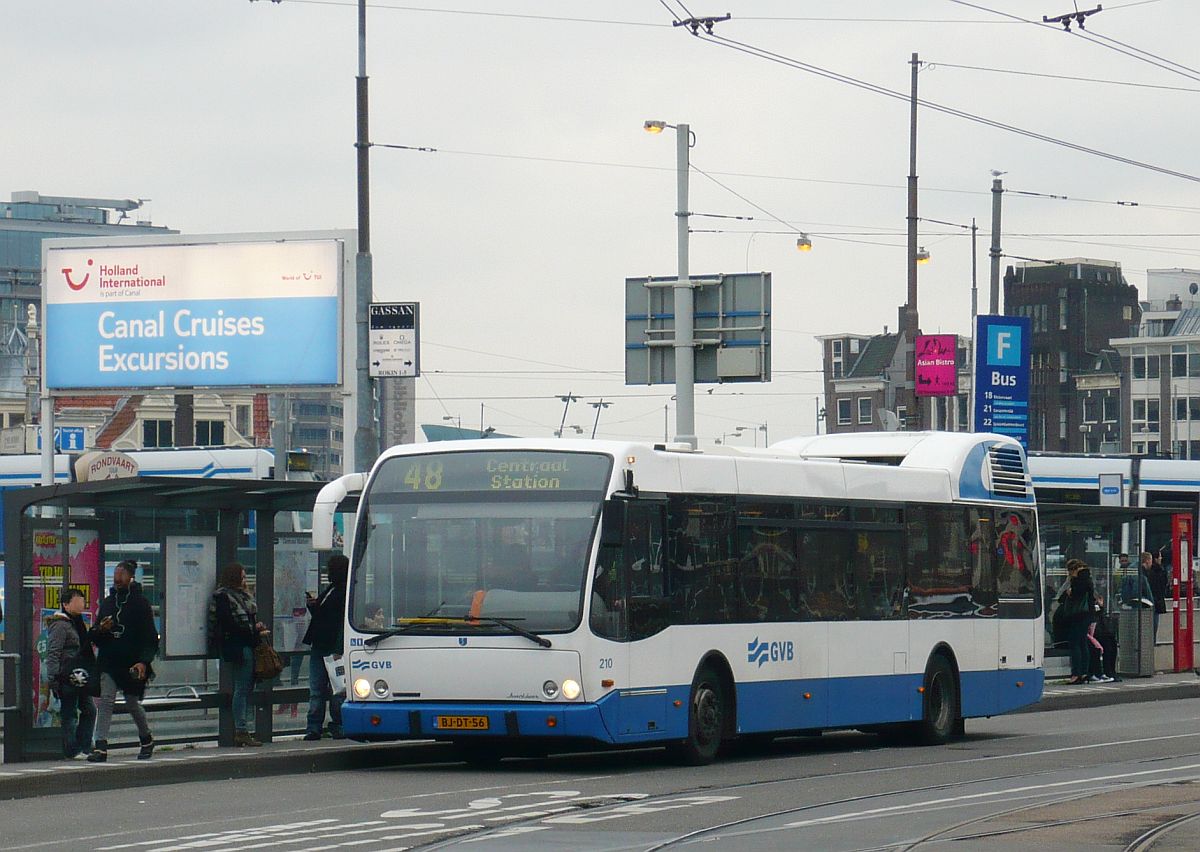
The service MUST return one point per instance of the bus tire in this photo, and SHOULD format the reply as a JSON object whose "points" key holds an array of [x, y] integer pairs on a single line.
{"points": [[940, 714], [707, 711]]}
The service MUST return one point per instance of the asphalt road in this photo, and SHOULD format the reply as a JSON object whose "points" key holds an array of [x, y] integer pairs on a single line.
{"points": [[1099, 778]]}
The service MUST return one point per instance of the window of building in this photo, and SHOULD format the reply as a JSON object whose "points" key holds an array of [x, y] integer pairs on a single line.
{"points": [[158, 433], [844, 412], [964, 412], [1181, 409], [902, 415], [241, 419], [835, 358], [1139, 448], [854, 346], [864, 409], [1062, 423], [16, 419], [1062, 367], [1091, 409], [1110, 408], [1062, 310], [210, 433]]}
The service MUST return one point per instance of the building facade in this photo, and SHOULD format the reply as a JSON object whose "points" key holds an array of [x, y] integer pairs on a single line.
{"points": [[1075, 307]]}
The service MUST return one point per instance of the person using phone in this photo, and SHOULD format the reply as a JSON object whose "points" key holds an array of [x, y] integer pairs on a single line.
{"points": [[325, 637], [127, 641], [233, 632]]}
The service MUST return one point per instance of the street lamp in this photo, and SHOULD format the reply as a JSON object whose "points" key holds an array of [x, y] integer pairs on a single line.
{"points": [[803, 243], [558, 433], [598, 406], [456, 418], [685, 364], [922, 255]]}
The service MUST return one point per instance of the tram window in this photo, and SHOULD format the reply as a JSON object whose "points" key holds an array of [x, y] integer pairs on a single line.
{"points": [[827, 568], [877, 574]]}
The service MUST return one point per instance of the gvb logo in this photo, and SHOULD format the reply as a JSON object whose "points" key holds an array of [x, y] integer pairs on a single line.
{"points": [[769, 652], [363, 665]]}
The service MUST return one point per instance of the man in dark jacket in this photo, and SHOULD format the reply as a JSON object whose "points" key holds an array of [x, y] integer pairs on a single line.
{"points": [[325, 636], [70, 668], [127, 640]]}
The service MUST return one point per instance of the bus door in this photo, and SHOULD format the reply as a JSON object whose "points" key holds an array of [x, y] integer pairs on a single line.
{"points": [[643, 700]]}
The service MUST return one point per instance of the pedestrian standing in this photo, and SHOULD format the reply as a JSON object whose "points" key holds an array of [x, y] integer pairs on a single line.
{"points": [[234, 630], [325, 636], [1077, 601], [70, 667], [127, 641]]}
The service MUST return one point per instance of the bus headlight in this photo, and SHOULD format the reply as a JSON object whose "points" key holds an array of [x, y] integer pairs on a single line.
{"points": [[570, 689], [382, 689], [362, 688], [550, 689]]}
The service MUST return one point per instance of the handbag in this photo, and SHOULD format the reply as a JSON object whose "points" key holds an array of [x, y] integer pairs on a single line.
{"points": [[80, 675], [335, 667], [267, 663]]}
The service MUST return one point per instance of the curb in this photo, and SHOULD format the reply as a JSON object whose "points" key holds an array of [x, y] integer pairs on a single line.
{"points": [[1097, 696], [218, 766]]}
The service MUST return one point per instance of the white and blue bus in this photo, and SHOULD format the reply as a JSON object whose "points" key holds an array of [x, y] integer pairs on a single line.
{"points": [[510, 594]]}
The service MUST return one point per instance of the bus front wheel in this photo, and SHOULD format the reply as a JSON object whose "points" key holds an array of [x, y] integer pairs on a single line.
{"points": [[707, 711], [941, 718]]}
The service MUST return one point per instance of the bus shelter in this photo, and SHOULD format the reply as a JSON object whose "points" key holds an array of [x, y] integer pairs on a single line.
{"points": [[1095, 534], [181, 532]]}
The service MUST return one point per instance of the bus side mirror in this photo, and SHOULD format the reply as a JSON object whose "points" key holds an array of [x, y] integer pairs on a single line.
{"points": [[612, 524]]}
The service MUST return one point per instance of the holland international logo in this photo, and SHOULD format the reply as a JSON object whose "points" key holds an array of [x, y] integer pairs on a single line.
{"points": [[67, 270], [765, 652]]}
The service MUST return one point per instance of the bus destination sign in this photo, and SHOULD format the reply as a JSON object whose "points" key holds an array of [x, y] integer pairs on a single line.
{"points": [[493, 472]]}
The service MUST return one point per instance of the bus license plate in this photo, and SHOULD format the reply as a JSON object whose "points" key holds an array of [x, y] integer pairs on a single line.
{"points": [[462, 723]]}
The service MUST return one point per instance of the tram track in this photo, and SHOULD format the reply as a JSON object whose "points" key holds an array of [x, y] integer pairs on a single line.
{"points": [[601, 805]]}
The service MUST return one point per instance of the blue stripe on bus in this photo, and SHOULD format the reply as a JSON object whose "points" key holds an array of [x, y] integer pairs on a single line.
{"points": [[761, 707]]}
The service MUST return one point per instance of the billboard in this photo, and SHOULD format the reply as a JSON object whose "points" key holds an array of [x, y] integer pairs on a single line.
{"points": [[936, 367], [1002, 376], [218, 314]]}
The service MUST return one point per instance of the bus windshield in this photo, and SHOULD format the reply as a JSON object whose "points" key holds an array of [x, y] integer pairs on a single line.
{"points": [[451, 540]]}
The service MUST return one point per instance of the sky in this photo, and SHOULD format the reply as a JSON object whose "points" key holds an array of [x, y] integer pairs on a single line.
{"points": [[544, 193]]}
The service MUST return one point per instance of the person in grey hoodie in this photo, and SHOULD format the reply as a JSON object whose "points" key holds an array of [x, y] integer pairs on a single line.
{"points": [[70, 667]]}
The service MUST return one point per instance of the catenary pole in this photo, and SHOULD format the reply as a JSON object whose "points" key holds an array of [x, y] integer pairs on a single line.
{"points": [[366, 441], [685, 356], [994, 252]]}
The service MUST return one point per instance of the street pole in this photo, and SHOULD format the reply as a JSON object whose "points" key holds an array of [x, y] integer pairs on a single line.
{"points": [[994, 252], [685, 360], [366, 441], [910, 309], [974, 282], [598, 406]]}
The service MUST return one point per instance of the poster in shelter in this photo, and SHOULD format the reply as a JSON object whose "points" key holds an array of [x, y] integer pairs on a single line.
{"points": [[296, 572], [191, 576]]}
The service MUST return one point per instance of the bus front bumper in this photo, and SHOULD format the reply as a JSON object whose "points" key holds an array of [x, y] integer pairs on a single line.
{"points": [[383, 720]]}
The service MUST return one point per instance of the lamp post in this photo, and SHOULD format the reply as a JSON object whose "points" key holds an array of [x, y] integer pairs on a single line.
{"points": [[685, 364], [558, 433], [598, 406], [566, 401], [457, 422]]}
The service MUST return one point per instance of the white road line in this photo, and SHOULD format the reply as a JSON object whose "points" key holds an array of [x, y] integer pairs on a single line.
{"points": [[245, 831]]}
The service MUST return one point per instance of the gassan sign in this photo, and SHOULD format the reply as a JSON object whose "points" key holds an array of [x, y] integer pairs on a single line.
{"points": [[1002, 376], [204, 315]]}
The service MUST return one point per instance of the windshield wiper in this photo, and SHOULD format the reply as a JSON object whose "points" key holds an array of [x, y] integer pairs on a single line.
{"points": [[508, 625]]}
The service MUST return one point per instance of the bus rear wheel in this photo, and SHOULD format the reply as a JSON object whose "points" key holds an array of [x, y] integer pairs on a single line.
{"points": [[941, 718], [707, 712]]}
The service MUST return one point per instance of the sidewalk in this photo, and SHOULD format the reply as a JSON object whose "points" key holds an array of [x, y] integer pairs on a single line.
{"points": [[291, 756]]}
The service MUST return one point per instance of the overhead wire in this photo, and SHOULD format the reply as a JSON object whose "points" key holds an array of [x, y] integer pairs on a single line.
{"points": [[1047, 76], [791, 62]]}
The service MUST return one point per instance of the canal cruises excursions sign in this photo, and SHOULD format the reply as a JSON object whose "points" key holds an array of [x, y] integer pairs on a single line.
{"points": [[230, 314]]}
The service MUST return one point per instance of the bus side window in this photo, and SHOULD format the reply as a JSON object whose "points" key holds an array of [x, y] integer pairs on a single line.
{"points": [[648, 605]]}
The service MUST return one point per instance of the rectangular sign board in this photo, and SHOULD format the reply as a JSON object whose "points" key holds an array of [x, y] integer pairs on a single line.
{"points": [[936, 365], [1002, 376], [732, 328], [231, 314], [67, 439], [394, 339]]}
